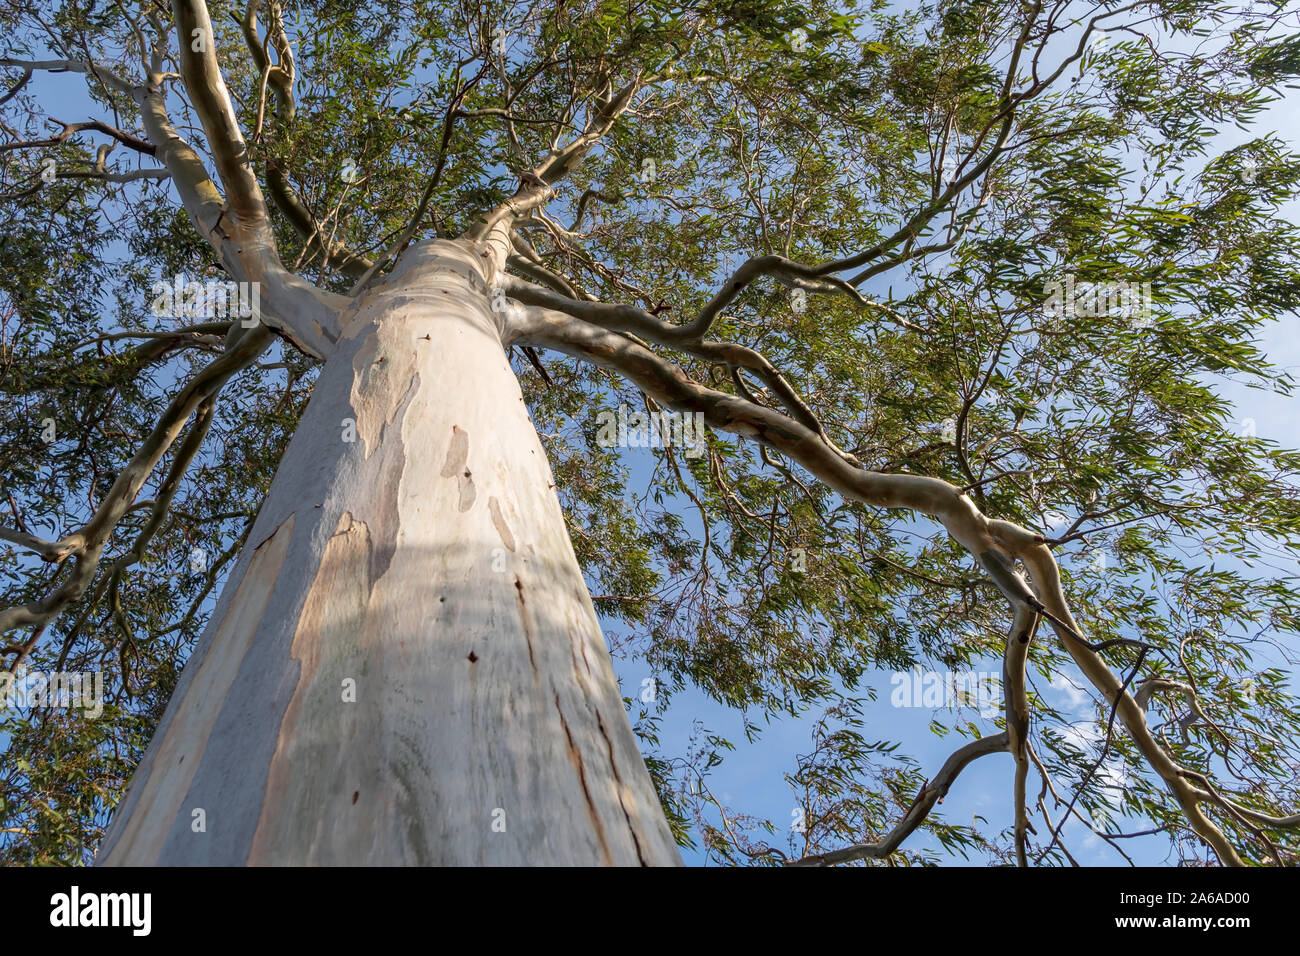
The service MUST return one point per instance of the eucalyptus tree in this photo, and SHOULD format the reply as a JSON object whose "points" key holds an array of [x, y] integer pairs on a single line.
{"points": [[330, 309]]}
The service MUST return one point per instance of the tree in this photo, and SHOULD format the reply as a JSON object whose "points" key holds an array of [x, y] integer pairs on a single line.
{"points": [[342, 310]]}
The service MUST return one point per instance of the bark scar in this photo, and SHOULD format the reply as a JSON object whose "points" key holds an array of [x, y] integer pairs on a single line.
{"points": [[575, 757], [618, 783], [528, 627]]}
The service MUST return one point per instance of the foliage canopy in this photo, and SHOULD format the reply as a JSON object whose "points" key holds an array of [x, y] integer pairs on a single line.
{"points": [[933, 169]]}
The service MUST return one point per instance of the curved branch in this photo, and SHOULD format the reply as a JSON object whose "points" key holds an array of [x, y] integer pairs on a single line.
{"points": [[207, 88], [104, 175], [1046, 577], [629, 318], [1016, 701], [930, 794], [535, 187], [87, 544], [72, 66], [280, 78]]}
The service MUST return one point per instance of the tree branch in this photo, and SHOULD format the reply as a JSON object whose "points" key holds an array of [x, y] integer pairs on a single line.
{"points": [[994, 543]]}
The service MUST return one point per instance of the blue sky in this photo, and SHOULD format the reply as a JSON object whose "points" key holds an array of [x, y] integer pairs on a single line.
{"points": [[752, 778]]}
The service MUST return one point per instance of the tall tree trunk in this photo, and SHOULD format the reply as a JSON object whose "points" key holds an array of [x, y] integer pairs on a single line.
{"points": [[405, 666]]}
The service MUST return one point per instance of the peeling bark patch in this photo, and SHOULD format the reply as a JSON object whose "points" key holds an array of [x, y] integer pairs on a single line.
{"points": [[467, 492], [314, 729], [457, 452], [457, 457], [386, 487], [575, 758], [377, 393], [499, 521]]}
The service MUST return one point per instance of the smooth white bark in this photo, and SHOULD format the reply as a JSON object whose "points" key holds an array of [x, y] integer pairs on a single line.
{"points": [[426, 564]]}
